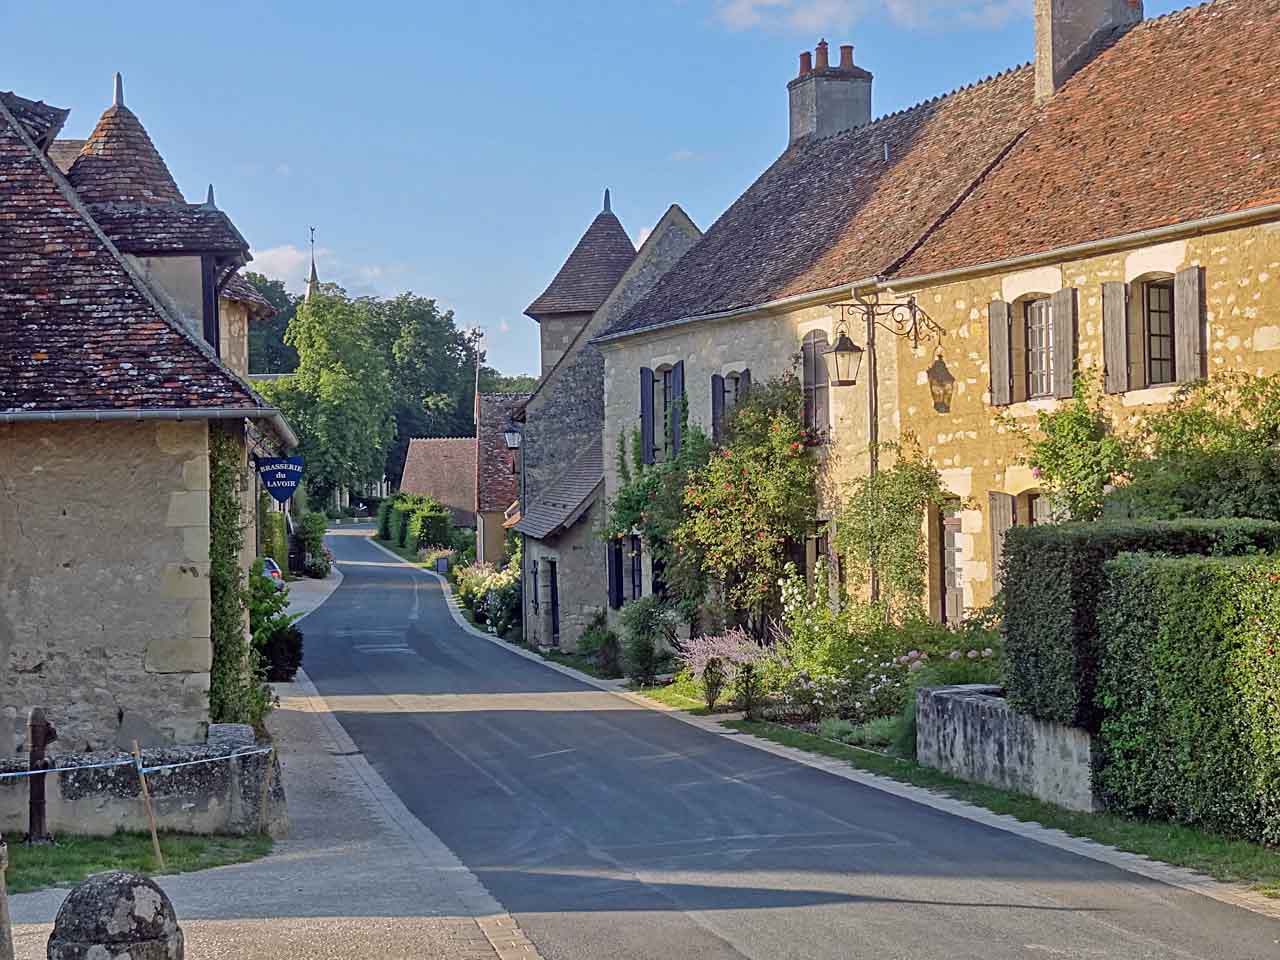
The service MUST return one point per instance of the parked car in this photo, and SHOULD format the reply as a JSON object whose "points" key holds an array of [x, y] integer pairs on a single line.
{"points": [[272, 570]]}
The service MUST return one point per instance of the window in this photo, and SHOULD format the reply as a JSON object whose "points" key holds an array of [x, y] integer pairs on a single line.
{"points": [[1038, 327], [1039, 510], [659, 578], [1157, 307], [727, 392], [951, 576], [637, 569], [817, 389]]}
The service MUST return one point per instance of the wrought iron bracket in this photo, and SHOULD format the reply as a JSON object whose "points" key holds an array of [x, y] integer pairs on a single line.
{"points": [[905, 319]]}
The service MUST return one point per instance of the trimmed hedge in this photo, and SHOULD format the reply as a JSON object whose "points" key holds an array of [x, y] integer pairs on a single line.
{"points": [[429, 525], [275, 538], [1053, 580], [1190, 689]]}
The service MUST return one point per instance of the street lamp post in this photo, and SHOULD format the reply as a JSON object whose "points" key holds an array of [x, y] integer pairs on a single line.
{"points": [[905, 319]]}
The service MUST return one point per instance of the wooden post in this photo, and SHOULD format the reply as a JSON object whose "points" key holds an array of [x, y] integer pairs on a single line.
{"points": [[6, 931], [265, 800], [146, 802]]}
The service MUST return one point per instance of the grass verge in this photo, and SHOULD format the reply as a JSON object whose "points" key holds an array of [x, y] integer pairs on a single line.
{"points": [[1222, 858], [70, 859], [403, 552], [682, 696]]}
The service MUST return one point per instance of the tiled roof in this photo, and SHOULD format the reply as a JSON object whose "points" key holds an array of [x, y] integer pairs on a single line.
{"points": [[240, 290], [77, 330], [567, 498], [41, 121], [593, 269], [1177, 120], [444, 468], [844, 208], [119, 163], [495, 479], [63, 153], [171, 228]]}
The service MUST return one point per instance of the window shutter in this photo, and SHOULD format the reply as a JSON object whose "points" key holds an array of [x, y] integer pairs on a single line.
{"points": [[744, 385], [821, 382], [1115, 335], [677, 395], [615, 573], [1064, 343], [1001, 517], [646, 416], [535, 586], [717, 406], [1188, 319], [998, 340]]}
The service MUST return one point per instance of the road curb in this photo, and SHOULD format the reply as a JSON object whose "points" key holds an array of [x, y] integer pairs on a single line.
{"points": [[1236, 895]]}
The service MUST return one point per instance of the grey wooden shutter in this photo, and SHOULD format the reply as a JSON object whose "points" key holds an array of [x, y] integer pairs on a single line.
{"points": [[1001, 518], [1115, 336], [717, 406], [822, 383], [1188, 319], [744, 385], [677, 404], [646, 416], [535, 586], [998, 340], [1064, 342], [615, 573]]}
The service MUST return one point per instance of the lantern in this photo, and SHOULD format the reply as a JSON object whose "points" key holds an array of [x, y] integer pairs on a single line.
{"points": [[844, 360]]}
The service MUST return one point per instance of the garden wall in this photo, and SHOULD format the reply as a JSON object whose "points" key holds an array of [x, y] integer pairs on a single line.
{"points": [[221, 797], [971, 732]]}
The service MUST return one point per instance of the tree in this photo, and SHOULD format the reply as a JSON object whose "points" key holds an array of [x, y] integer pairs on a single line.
{"points": [[340, 398], [491, 381], [268, 352]]}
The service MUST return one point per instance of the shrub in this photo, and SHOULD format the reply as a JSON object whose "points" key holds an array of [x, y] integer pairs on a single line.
{"points": [[318, 559], [1190, 692], [384, 516], [717, 662], [428, 525], [876, 734], [492, 595], [463, 542], [958, 667], [275, 538], [648, 628], [283, 654], [1053, 577]]}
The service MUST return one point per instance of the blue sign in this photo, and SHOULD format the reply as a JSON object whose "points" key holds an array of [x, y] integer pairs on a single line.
{"points": [[280, 476]]}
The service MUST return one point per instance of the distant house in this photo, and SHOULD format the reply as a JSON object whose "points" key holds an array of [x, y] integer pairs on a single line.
{"points": [[444, 468], [123, 355], [496, 482]]}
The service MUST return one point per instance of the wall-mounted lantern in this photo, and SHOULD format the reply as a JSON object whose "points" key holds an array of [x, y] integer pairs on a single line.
{"points": [[844, 359], [512, 436], [942, 384]]}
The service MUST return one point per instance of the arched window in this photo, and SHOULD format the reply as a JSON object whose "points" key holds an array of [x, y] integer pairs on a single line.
{"points": [[817, 389]]}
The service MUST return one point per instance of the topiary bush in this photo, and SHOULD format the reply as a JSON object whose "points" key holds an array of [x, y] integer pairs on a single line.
{"points": [[428, 525], [1053, 577], [1189, 687]]}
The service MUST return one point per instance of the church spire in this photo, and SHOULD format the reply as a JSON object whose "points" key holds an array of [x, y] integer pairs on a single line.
{"points": [[313, 281]]}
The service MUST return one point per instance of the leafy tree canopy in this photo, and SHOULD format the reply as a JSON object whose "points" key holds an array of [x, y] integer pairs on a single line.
{"points": [[268, 353]]}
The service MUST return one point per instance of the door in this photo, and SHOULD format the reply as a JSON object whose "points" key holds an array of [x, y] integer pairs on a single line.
{"points": [[950, 580], [553, 584]]}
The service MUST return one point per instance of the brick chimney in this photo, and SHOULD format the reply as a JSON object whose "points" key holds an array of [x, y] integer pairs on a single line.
{"points": [[826, 100], [1070, 32]]}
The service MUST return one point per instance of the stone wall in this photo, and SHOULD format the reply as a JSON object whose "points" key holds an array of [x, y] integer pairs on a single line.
{"points": [[233, 330], [222, 797], [104, 579], [977, 454], [556, 333], [579, 553], [970, 732]]}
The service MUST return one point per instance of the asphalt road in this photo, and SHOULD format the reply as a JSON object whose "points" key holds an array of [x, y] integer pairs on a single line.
{"points": [[612, 831]]}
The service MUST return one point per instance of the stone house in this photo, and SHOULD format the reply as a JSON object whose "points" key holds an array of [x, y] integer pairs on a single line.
{"points": [[569, 573], [115, 306], [1100, 193], [444, 468], [496, 483]]}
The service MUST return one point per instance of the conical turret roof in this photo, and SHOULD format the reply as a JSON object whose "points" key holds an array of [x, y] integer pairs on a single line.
{"points": [[593, 269], [119, 163]]}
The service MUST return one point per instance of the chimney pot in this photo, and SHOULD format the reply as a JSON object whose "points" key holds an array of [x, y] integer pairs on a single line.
{"points": [[806, 63], [822, 63], [823, 101], [846, 56]]}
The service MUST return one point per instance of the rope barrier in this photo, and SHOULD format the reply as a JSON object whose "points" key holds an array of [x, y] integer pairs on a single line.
{"points": [[130, 762]]}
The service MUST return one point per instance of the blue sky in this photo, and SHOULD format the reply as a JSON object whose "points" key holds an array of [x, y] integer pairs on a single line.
{"points": [[459, 150]]}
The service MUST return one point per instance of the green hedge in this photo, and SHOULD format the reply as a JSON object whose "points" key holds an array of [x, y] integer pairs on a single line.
{"points": [[1053, 578], [1190, 689], [429, 525], [384, 515], [275, 538]]}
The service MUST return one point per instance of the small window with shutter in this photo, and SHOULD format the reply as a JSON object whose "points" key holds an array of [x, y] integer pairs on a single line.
{"points": [[1037, 320], [1157, 309], [817, 388], [615, 573], [637, 568]]}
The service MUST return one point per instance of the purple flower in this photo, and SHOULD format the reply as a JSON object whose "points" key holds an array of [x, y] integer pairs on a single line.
{"points": [[953, 655], [972, 654]]}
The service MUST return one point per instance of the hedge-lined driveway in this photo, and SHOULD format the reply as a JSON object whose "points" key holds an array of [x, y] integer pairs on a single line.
{"points": [[610, 830]]}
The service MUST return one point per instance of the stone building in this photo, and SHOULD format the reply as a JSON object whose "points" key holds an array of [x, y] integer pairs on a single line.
{"points": [[444, 468], [1121, 188], [495, 473], [114, 310], [567, 567]]}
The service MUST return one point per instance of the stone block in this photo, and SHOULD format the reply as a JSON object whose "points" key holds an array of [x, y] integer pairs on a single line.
{"points": [[184, 581], [176, 653], [188, 508]]}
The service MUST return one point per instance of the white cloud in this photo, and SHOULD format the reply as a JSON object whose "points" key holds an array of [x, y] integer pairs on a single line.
{"points": [[292, 264], [815, 15], [681, 155], [504, 327], [644, 235]]}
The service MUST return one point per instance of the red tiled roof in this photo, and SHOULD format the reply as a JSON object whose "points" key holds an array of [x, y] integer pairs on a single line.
{"points": [[170, 228], [77, 330], [1177, 120], [496, 484], [593, 269], [41, 121], [839, 209], [119, 163], [63, 153], [240, 290], [444, 468]]}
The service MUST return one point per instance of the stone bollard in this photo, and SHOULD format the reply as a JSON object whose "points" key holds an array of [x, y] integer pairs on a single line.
{"points": [[6, 929], [116, 916]]}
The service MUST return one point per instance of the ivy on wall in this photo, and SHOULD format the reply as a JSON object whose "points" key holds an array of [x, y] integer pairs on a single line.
{"points": [[237, 692]]}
